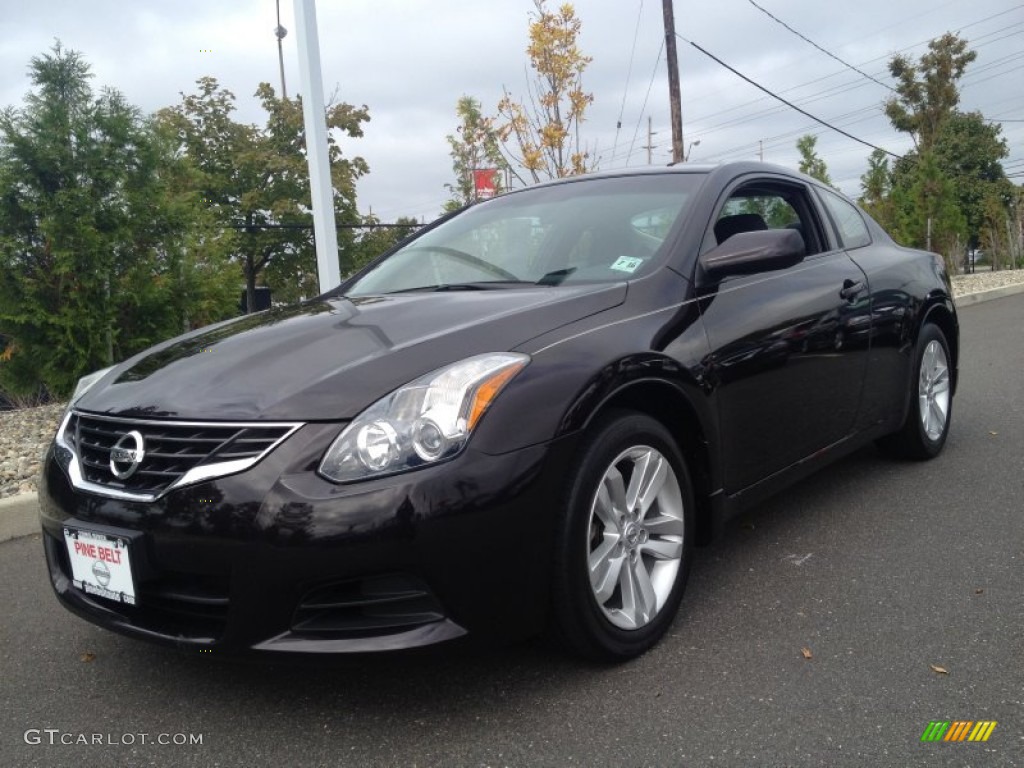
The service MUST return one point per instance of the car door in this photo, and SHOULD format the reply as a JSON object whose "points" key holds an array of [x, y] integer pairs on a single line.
{"points": [[892, 277], [786, 378]]}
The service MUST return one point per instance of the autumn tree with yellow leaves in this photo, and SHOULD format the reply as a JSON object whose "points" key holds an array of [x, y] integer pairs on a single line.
{"points": [[540, 135]]}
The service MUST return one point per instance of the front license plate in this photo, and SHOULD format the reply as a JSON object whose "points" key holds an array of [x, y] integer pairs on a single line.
{"points": [[100, 565]]}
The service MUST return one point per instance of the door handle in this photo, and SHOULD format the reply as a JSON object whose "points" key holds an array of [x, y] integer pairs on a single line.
{"points": [[850, 289]]}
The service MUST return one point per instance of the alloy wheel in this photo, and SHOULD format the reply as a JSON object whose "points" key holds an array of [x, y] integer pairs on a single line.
{"points": [[635, 537], [933, 390]]}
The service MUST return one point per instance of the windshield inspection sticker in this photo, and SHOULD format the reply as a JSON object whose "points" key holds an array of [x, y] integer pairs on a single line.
{"points": [[627, 264]]}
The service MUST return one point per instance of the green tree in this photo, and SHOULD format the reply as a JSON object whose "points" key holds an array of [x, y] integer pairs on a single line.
{"points": [[876, 189], [927, 92], [95, 226], [375, 240], [810, 163], [255, 183], [952, 184], [970, 150], [475, 144], [927, 210], [541, 134]]}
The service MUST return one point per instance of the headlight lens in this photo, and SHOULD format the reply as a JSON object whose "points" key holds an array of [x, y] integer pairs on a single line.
{"points": [[426, 421]]}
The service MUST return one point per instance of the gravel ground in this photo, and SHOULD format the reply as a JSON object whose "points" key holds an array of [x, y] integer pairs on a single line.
{"points": [[25, 433], [24, 437], [986, 281]]}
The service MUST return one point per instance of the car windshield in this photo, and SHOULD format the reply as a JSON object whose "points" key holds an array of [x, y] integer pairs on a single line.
{"points": [[591, 230]]}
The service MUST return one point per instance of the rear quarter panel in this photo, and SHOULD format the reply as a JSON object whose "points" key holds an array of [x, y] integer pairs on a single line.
{"points": [[907, 287]]}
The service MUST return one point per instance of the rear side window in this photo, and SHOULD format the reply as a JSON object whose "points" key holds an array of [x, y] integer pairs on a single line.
{"points": [[852, 229]]}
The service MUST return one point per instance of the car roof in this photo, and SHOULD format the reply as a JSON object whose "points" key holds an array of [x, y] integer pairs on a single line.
{"points": [[718, 169]]}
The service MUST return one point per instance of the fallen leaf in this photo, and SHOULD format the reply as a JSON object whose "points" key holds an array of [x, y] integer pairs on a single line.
{"points": [[938, 669], [87, 656], [807, 652]]}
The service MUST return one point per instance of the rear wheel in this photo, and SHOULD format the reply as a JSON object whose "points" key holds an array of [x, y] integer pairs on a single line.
{"points": [[625, 541], [927, 424]]}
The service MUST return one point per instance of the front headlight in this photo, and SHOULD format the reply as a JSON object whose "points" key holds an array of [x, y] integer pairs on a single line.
{"points": [[426, 421]]}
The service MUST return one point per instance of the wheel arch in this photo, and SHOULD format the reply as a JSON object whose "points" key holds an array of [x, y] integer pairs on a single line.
{"points": [[943, 316], [665, 402]]}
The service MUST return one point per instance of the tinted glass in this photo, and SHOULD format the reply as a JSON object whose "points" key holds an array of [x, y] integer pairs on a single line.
{"points": [[773, 210], [593, 230], [765, 204], [852, 229]]}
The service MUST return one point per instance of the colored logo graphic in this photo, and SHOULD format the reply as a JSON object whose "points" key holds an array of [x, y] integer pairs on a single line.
{"points": [[958, 730]]}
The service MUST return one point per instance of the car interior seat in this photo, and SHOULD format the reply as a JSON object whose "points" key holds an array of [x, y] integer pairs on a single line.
{"points": [[727, 226]]}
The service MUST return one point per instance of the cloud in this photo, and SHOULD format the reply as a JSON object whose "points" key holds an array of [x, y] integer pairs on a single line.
{"points": [[410, 61]]}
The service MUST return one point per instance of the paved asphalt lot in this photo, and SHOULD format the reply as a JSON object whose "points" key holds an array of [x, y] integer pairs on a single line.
{"points": [[881, 569]]}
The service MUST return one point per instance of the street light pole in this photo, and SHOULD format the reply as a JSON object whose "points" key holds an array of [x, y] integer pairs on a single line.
{"points": [[280, 32], [315, 119]]}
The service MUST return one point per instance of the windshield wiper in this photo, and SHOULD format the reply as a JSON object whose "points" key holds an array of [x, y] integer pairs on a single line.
{"points": [[551, 278], [485, 285], [556, 277]]}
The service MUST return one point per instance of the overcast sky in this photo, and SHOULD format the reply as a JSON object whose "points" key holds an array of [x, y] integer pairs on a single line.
{"points": [[410, 60]]}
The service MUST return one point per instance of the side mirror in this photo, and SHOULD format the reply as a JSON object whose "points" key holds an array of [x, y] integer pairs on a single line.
{"points": [[750, 252]]}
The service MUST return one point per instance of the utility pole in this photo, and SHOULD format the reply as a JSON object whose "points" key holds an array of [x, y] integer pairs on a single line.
{"points": [[760, 150], [649, 146], [673, 82]]}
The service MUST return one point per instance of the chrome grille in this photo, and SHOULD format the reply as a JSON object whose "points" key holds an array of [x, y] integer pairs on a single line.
{"points": [[175, 453]]}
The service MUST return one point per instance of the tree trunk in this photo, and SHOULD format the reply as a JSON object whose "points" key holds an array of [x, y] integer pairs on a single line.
{"points": [[109, 335], [250, 285]]}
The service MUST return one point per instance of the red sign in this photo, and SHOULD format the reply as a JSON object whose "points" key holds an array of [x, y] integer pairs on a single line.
{"points": [[485, 183]]}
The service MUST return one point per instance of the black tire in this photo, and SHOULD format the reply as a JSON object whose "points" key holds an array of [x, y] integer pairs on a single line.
{"points": [[579, 621], [912, 441]]}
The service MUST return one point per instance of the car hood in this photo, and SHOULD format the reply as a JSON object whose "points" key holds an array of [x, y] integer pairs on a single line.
{"points": [[327, 360]]}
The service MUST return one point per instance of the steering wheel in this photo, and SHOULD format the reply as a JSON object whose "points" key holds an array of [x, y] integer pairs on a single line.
{"points": [[467, 258]]}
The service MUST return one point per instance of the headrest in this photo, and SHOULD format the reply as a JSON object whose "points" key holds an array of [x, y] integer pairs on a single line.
{"points": [[727, 226]]}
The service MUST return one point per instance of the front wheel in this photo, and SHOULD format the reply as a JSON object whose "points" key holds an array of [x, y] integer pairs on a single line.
{"points": [[927, 424], [625, 539]]}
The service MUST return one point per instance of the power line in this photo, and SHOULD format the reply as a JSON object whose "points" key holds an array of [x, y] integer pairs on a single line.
{"points": [[833, 90], [847, 87], [978, 42], [787, 103], [775, 18], [777, 109], [842, 87], [644, 107], [629, 72]]}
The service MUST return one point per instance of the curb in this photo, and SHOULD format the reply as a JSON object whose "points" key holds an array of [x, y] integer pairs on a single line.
{"points": [[19, 516], [993, 293]]}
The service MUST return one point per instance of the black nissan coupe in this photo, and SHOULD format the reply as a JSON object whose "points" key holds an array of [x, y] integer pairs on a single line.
{"points": [[523, 417]]}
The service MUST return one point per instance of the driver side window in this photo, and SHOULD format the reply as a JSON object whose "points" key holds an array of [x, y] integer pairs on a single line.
{"points": [[768, 205]]}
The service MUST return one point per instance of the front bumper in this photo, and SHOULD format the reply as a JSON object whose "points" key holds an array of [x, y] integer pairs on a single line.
{"points": [[278, 559]]}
